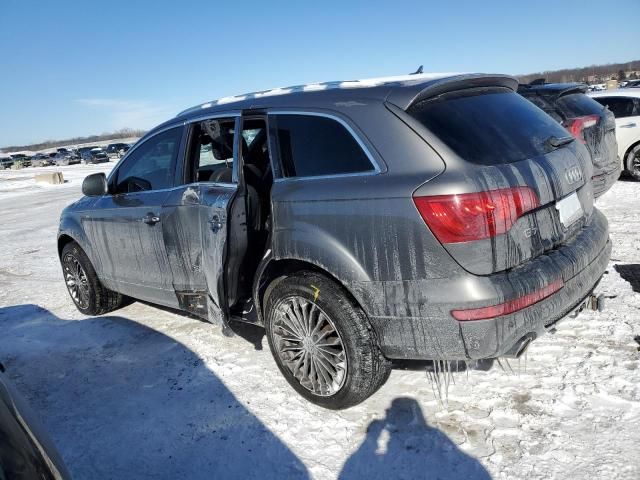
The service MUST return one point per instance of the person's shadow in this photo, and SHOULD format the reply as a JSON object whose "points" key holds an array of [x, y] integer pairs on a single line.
{"points": [[121, 400], [413, 450]]}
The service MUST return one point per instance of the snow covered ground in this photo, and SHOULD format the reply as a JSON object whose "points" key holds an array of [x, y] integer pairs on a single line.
{"points": [[148, 393]]}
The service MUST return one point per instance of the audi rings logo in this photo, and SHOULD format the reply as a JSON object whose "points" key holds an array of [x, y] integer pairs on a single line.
{"points": [[573, 175]]}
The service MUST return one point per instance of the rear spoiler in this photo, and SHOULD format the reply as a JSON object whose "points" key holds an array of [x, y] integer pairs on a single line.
{"points": [[405, 97]]}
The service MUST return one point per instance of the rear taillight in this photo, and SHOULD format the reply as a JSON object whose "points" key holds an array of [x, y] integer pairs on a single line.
{"points": [[577, 125], [511, 306], [465, 217]]}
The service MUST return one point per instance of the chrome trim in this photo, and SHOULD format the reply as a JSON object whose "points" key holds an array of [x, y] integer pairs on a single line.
{"points": [[377, 169]]}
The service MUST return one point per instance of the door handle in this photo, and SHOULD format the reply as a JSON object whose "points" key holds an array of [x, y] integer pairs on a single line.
{"points": [[151, 218], [628, 125], [215, 223]]}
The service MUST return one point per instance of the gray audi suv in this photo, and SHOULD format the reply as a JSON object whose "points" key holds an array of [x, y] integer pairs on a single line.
{"points": [[361, 223]]}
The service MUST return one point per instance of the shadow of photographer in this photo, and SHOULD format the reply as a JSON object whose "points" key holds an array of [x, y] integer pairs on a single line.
{"points": [[404, 446]]}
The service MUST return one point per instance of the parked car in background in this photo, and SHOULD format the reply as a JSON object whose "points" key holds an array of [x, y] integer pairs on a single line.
{"points": [[116, 150], [631, 84], [588, 121], [625, 106], [40, 160], [26, 451], [5, 162], [65, 158], [22, 159], [95, 155], [82, 150], [72, 152], [425, 217]]}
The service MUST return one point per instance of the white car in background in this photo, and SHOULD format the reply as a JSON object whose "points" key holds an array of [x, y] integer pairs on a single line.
{"points": [[625, 105]]}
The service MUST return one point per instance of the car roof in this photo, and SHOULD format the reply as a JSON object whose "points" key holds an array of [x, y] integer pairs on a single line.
{"points": [[617, 92], [339, 96], [403, 90], [554, 89]]}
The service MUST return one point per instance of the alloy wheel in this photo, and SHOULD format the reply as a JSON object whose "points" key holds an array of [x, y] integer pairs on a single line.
{"points": [[76, 279], [309, 345]]}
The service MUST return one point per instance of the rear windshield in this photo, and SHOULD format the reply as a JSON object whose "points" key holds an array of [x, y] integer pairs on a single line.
{"points": [[578, 104], [488, 126]]}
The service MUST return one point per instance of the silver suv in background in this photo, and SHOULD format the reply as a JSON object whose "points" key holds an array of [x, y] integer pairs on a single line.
{"points": [[361, 223]]}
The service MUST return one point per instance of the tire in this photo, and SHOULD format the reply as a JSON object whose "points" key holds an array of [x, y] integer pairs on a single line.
{"points": [[91, 297], [632, 162], [360, 368]]}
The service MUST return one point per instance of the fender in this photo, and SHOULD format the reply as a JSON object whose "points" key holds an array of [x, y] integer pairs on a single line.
{"points": [[311, 248], [71, 226]]}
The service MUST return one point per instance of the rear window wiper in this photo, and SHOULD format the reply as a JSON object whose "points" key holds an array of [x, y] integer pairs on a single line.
{"points": [[556, 142]]}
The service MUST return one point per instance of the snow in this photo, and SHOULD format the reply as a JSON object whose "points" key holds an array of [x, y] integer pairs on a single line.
{"points": [[146, 392]]}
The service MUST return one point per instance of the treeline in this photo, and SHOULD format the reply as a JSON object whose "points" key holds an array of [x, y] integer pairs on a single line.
{"points": [[591, 74], [122, 133]]}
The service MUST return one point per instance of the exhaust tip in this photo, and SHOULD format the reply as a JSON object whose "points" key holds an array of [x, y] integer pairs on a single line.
{"points": [[520, 346]]}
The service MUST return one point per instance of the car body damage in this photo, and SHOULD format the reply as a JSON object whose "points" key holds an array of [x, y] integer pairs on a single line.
{"points": [[453, 233]]}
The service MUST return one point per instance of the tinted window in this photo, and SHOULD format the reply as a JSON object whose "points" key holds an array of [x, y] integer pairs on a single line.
{"points": [[151, 165], [620, 106], [543, 104], [488, 126], [310, 145], [578, 104]]}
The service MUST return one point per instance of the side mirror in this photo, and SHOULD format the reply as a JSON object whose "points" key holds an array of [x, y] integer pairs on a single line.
{"points": [[95, 185]]}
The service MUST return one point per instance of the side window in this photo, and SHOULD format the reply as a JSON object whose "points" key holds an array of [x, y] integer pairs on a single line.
{"points": [[311, 145], [211, 151], [620, 106], [151, 165]]}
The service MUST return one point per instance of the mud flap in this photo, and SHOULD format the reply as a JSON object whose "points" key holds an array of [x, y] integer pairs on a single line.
{"points": [[216, 316]]}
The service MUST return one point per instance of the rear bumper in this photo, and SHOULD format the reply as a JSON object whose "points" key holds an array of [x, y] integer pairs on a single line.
{"points": [[428, 331]]}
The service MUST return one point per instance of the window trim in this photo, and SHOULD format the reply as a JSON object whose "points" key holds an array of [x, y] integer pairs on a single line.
{"points": [[314, 113]]}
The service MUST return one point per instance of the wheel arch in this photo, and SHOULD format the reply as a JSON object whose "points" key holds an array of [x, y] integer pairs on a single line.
{"points": [[271, 271], [627, 152], [63, 240]]}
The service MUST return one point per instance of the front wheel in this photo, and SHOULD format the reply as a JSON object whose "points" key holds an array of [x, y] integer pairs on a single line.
{"points": [[83, 284], [322, 341]]}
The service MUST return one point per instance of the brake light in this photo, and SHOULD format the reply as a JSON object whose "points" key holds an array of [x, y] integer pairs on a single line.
{"points": [[577, 125], [466, 217], [511, 306]]}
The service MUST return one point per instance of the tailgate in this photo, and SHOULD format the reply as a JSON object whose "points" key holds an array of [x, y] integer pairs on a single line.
{"points": [[516, 184]]}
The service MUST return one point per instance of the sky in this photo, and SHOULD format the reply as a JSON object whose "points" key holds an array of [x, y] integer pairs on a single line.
{"points": [[70, 68]]}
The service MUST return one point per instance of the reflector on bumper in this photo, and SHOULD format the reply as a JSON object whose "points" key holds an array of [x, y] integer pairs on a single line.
{"points": [[510, 306]]}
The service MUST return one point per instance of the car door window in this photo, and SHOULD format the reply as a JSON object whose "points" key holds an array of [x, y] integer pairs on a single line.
{"points": [[151, 165], [211, 151], [620, 106]]}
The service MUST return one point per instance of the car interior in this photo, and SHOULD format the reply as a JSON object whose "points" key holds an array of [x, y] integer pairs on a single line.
{"points": [[211, 160]]}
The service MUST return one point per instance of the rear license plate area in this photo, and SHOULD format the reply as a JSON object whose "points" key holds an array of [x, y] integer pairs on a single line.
{"points": [[569, 209]]}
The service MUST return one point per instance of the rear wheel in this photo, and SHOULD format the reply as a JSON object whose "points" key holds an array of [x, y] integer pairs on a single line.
{"points": [[83, 284], [322, 341], [633, 162]]}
